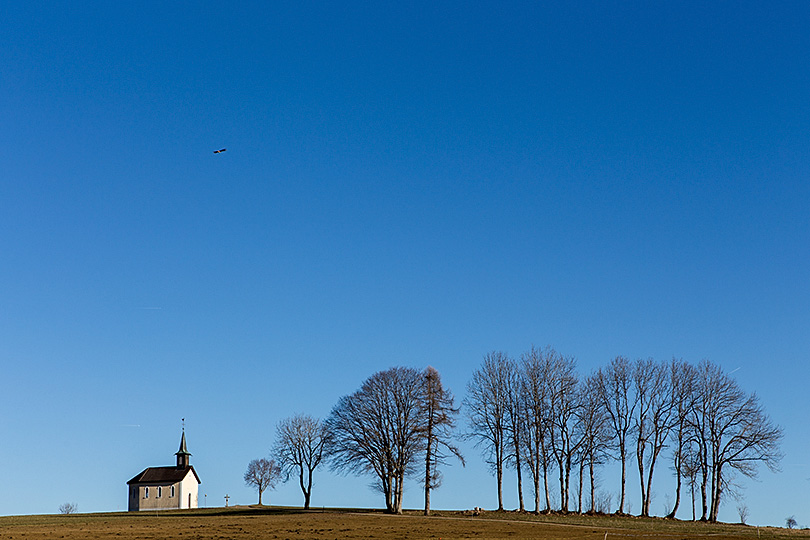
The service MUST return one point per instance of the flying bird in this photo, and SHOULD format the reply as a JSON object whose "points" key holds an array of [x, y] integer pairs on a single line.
{"points": [[220, 150]]}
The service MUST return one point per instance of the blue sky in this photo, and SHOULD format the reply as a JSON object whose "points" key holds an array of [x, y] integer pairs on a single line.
{"points": [[405, 184]]}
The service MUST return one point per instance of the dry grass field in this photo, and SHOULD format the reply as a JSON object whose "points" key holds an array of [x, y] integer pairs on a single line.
{"points": [[287, 523]]}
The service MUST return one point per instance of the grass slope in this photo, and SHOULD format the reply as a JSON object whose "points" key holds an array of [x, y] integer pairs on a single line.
{"points": [[337, 524]]}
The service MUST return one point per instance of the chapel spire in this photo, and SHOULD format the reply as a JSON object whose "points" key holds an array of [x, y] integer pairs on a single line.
{"points": [[183, 455]]}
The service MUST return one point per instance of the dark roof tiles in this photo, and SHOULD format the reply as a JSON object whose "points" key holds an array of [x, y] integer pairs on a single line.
{"points": [[159, 475]]}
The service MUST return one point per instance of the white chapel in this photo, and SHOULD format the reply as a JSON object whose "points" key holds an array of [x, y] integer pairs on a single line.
{"points": [[166, 488]]}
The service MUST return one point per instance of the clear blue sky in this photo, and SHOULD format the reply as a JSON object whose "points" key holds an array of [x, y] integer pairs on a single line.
{"points": [[405, 184]]}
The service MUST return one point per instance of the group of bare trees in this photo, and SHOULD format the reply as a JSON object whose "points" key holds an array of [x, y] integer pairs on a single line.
{"points": [[536, 414], [398, 419], [299, 449]]}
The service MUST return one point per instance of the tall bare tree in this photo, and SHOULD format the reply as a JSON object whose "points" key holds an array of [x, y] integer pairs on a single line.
{"points": [[615, 390], [380, 430], [536, 388], [262, 474], [592, 421], [516, 426], [741, 435], [690, 464], [682, 386], [299, 449], [486, 408], [564, 405], [653, 421], [699, 437], [439, 422]]}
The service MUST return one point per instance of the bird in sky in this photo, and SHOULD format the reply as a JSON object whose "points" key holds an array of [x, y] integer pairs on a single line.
{"points": [[220, 150]]}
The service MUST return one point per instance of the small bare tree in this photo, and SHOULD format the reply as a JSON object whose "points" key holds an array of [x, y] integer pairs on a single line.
{"points": [[299, 449], [68, 508], [603, 502], [742, 510], [262, 474], [791, 522]]}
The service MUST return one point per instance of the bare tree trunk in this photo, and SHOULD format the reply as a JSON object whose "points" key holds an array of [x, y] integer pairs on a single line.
{"points": [[648, 499], [304, 488], [499, 474], [428, 452], [545, 481], [678, 477], [518, 467], [400, 491], [536, 482], [624, 480], [716, 489], [703, 494], [428, 478], [692, 488], [640, 459]]}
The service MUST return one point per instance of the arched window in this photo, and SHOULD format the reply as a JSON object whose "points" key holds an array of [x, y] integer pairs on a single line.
{"points": [[160, 492], [171, 492], [146, 492]]}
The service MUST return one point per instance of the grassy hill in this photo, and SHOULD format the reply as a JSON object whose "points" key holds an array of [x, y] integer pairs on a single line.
{"points": [[333, 524]]}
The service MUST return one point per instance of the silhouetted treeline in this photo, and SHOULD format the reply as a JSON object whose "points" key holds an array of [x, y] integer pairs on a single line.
{"points": [[539, 417], [537, 414]]}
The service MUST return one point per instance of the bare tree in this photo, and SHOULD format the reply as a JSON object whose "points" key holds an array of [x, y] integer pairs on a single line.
{"points": [[536, 388], [690, 465], [682, 386], [68, 508], [655, 413], [742, 511], [486, 408], [740, 433], [564, 402], [299, 449], [380, 430], [439, 422], [643, 373], [790, 522], [603, 502], [262, 474], [593, 435], [516, 425], [615, 389], [699, 438]]}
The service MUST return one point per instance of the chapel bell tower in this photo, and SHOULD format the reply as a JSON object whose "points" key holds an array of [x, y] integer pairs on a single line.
{"points": [[183, 455]]}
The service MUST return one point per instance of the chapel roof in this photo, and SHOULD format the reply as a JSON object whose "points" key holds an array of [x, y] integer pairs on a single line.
{"points": [[159, 475]]}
